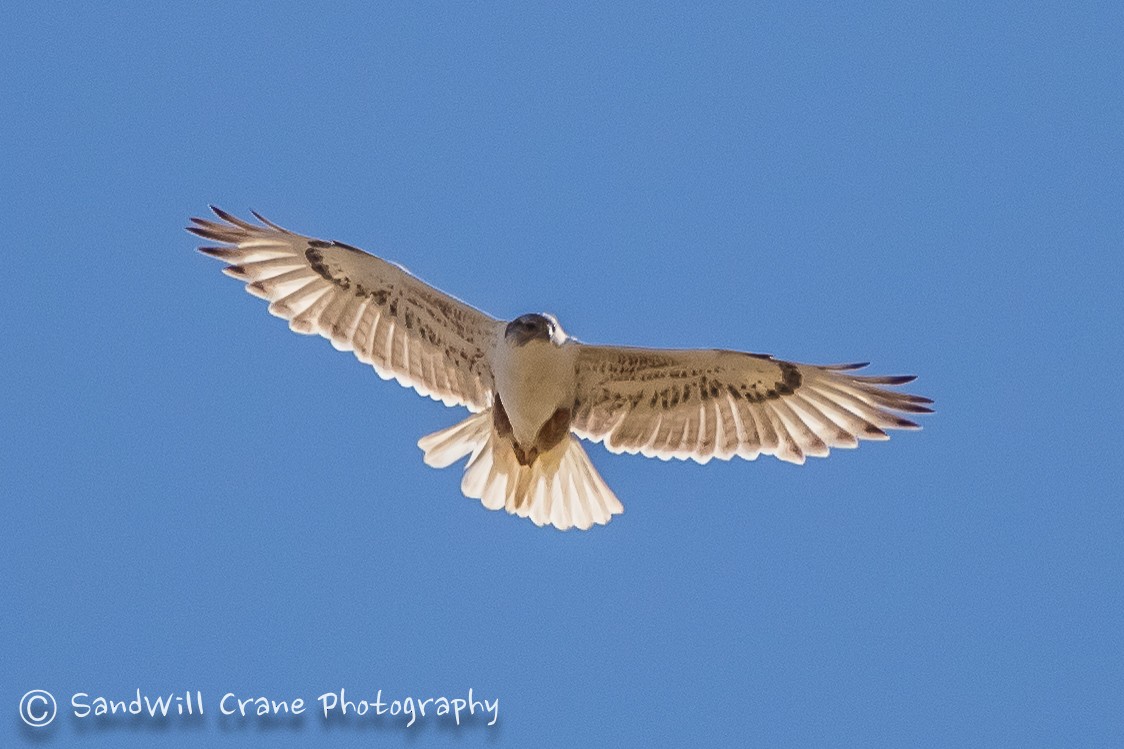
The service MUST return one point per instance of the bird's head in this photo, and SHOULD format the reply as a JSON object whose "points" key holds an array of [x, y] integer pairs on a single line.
{"points": [[535, 327]]}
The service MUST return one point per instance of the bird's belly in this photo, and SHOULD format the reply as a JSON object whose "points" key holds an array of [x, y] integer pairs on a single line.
{"points": [[533, 381]]}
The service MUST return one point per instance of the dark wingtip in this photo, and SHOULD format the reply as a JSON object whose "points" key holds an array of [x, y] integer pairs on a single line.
{"points": [[219, 252], [885, 379], [200, 231], [231, 219], [265, 221], [221, 213]]}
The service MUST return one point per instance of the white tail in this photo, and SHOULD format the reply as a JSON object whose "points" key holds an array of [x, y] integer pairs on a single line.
{"points": [[561, 488]]}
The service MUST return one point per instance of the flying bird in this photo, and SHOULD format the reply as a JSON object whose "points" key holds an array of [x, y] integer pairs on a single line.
{"points": [[533, 391]]}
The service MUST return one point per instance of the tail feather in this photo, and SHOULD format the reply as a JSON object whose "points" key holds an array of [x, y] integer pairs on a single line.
{"points": [[561, 488], [447, 446]]}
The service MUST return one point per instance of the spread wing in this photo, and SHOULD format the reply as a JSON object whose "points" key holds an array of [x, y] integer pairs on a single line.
{"points": [[404, 328], [701, 404]]}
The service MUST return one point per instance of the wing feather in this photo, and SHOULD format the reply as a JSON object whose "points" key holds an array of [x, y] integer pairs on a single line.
{"points": [[392, 321], [751, 439], [702, 404], [787, 448]]}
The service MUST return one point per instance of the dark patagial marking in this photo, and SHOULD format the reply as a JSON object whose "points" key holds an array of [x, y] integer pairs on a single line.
{"points": [[316, 261], [320, 244], [315, 256], [791, 378], [707, 386]]}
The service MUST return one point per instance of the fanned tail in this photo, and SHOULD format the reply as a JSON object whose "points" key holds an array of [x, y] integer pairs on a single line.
{"points": [[560, 488], [447, 446]]}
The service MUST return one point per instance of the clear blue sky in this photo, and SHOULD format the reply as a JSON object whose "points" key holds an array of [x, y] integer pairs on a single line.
{"points": [[195, 498]]}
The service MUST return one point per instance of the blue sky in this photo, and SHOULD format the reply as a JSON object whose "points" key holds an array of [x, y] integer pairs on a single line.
{"points": [[195, 498]]}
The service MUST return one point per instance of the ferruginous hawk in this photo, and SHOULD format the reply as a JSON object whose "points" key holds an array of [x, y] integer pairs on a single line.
{"points": [[533, 390]]}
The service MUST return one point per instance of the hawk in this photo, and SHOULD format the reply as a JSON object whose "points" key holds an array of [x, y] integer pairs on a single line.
{"points": [[533, 391]]}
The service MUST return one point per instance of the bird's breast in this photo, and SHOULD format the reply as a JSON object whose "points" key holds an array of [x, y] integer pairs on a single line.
{"points": [[533, 381]]}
